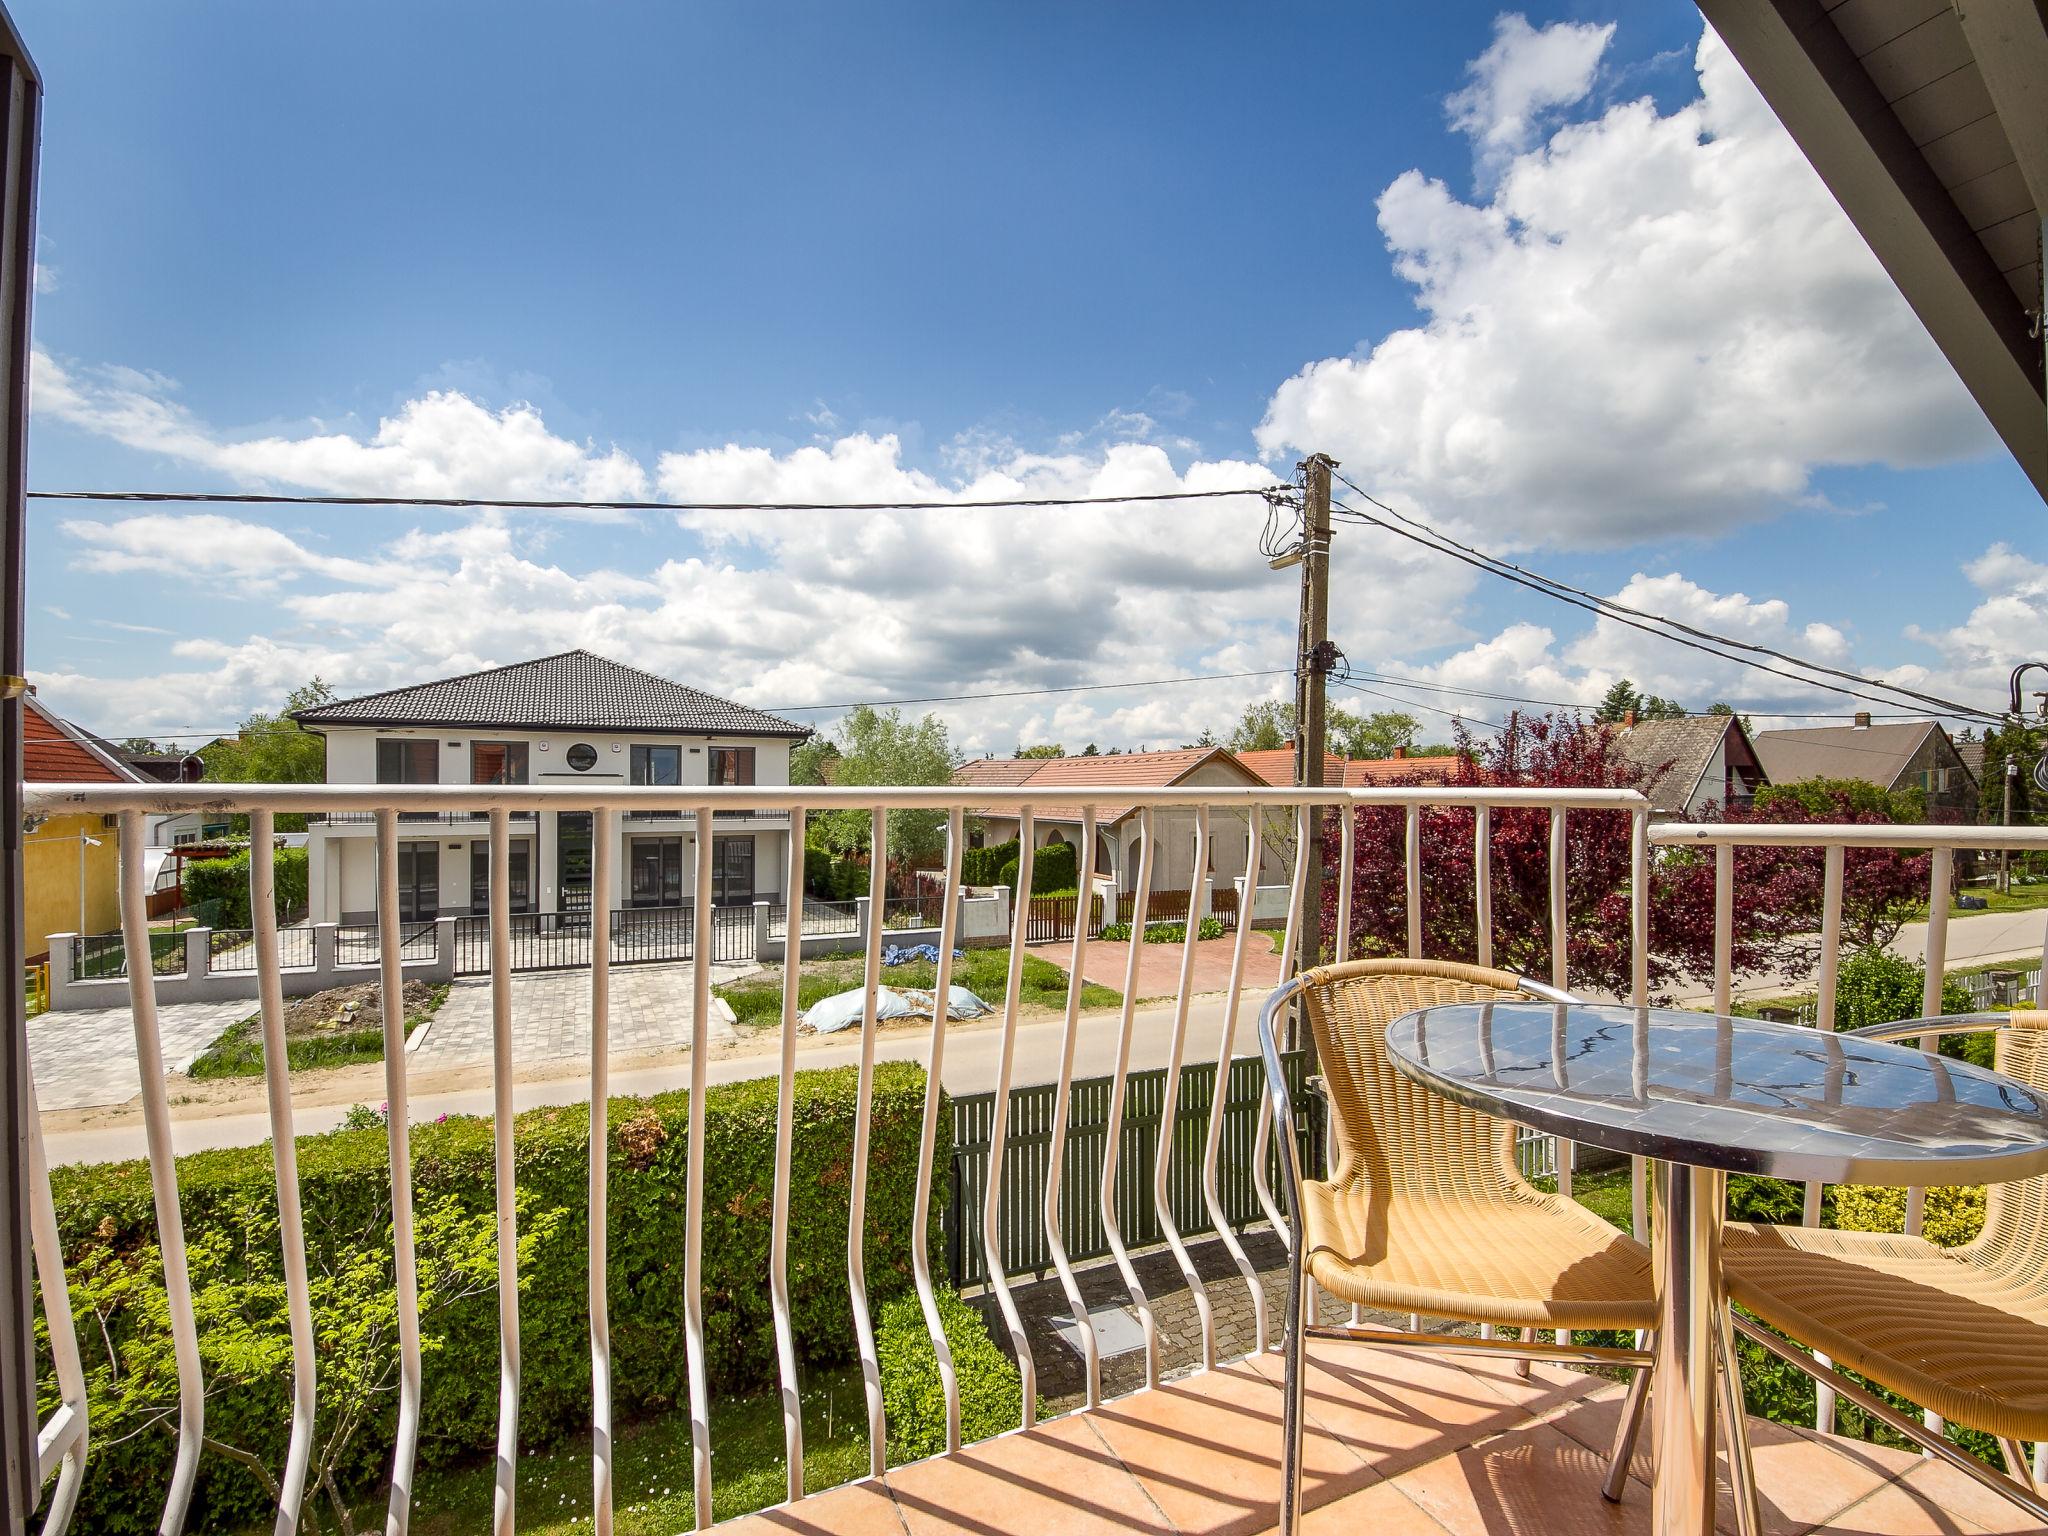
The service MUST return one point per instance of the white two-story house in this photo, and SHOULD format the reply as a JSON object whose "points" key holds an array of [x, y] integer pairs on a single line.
{"points": [[570, 719]]}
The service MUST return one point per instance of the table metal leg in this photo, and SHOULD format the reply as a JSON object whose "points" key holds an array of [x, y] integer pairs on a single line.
{"points": [[1687, 1253]]}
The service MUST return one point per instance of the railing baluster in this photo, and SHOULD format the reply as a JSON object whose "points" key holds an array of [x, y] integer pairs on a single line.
{"points": [[1411, 858], [67, 1435], [163, 1175], [1639, 990], [506, 1171], [1940, 879], [1254, 856], [398, 1143], [1724, 926], [601, 836], [999, 1130], [1832, 870], [1482, 882], [1169, 1108], [1112, 1225], [277, 1092], [1055, 1240], [857, 1207], [920, 1253], [1262, 1138], [1347, 874], [1560, 971], [785, 1133], [693, 1180]]}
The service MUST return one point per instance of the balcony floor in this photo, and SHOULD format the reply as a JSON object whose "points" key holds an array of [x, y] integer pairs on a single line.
{"points": [[1400, 1444]]}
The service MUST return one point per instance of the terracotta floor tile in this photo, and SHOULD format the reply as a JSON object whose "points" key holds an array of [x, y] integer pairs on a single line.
{"points": [[1955, 1492], [1381, 1509], [1394, 1408], [1533, 1480], [1207, 1451], [1901, 1509], [858, 1509], [1058, 1477]]}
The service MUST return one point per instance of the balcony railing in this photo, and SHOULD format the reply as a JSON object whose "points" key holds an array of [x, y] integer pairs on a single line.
{"points": [[1190, 1166]]}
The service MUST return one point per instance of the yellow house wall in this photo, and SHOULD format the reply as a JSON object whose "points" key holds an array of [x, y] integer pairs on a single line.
{"points": [[50, 880]]}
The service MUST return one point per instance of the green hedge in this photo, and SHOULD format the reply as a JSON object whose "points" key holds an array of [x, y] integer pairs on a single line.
{"points": [[226, 882], [984, 866], [1163, 933], [1056, 867], [827, 878], [913, 1397], [229, 1204]]}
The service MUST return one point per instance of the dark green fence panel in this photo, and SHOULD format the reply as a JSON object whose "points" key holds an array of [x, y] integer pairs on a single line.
{"points": [[1027, 1159]]}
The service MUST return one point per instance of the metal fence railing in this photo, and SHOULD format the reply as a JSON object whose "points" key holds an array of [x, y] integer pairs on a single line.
{"points": [[556, 941], [99, 956], [1025, 1245]]}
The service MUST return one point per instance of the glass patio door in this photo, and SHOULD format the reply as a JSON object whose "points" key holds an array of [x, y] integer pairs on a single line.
{"points": [[419, 882], [572, 859], [732, 871], [655, 872]]}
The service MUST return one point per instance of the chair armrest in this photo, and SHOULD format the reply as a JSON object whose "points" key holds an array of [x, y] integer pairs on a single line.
{"points": [[1946, 1024], [1547, 994]]}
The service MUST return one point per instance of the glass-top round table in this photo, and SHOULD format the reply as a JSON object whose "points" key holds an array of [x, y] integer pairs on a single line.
{"points": [[1703, 1097]]}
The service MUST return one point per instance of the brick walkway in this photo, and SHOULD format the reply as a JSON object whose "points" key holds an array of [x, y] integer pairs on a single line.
{"points": [[650, 1012], [1159, 964], [84, 1057]]}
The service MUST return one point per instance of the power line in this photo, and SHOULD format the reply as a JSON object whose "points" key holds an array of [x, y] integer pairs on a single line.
{"points": [[933, 698], [1614, 609], [1511, 698], [1604, 609], [265, 499]]}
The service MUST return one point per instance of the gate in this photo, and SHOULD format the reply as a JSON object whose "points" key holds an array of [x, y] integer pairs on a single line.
{"points": [[1028, 1156], [554, 941]]}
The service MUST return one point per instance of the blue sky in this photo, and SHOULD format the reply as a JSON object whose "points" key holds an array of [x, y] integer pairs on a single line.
{"points": [[888, 247]]}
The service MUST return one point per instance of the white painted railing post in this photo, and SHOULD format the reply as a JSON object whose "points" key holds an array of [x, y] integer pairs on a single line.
{"points": [[506, 1173], [999, 1126], [857, 1204], [1055, 1239], [785, 1136], [398, 1143], [693, 1178], [603, 836], [1169, 1111], [934, 1092], [1112, 1227]]}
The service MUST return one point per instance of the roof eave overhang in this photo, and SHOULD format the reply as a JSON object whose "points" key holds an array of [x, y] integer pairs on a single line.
{"points": [[314, 722], [1826, 100]]}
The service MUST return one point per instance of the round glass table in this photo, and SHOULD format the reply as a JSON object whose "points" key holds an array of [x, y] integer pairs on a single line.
{"points": [[1703, 1097]]}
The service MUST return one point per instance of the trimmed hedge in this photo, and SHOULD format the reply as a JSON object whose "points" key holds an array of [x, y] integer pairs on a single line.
{"points": [[1163, 933], [984, 866], [226, 881], [230, 1216], [1057, 866], [827, 878], [913, 1397]]}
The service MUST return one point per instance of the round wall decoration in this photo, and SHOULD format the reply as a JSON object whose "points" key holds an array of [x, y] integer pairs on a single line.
{"points": [[582, 757]]}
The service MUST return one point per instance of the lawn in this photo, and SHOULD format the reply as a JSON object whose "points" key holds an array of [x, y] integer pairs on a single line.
{"points": [[2022, 898], [757, 1002], [318, 1033]]}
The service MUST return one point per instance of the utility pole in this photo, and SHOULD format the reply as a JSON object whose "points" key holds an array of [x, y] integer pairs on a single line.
{"points": [[1311, 665]]}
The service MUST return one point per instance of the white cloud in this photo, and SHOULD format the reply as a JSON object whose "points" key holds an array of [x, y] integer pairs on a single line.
{"points": [[441, 443], [1523, 77], [1659, 323]]}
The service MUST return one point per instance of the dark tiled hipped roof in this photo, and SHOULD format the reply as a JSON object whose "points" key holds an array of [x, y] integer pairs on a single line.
{"points": [[573, 691]]}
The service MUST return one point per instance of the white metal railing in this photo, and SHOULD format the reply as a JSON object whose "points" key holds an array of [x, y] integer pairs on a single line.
{"points": [[1274, 817]]}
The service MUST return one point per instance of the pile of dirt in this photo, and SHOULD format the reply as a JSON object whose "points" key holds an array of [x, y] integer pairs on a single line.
{"points": [[343, 1010]]}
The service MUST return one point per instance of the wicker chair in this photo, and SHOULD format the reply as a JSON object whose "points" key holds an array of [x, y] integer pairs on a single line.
{"points": [[1425, 1211], [1961, 1331]]}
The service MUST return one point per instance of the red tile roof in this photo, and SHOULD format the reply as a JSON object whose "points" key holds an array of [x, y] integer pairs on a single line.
{"points": [[1367, 772], [53, 752], [1126, 770], [1276, 765]]}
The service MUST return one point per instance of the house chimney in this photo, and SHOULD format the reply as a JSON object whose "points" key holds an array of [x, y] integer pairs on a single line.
{"points": [[1628, 720], [1400, 752], [1862, 719]]}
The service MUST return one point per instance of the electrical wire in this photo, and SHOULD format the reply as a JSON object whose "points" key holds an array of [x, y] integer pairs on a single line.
{"points": [[265, 499], [1601, 608], [1564, 591]]}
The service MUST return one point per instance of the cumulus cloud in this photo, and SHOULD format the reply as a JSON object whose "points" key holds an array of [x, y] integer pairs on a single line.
{"points": [[1658, 323], [1524, 77]]}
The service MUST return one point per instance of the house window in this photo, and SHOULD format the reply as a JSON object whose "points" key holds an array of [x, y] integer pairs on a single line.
{"points": [[658, 765], [401, 760], [582, 757], [497, 762], [732, 871], [179, 839], [521, 867], [732, 765]]}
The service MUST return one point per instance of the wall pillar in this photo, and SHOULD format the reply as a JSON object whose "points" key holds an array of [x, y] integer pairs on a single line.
{"points": [[198, 951]]}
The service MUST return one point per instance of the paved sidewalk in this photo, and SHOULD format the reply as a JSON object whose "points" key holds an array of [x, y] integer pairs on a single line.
{"points": [[651, 1010], [84, 1057]]}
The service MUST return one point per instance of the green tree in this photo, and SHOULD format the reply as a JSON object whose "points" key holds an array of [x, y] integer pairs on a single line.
{"points": [[1263, 727], [1090, 750], [1654, 707], [1043, 749], [1817, 798], [1374, 735], [813, 760], [1618, 703], [2021, 744], [273, 749], [878, 746]]}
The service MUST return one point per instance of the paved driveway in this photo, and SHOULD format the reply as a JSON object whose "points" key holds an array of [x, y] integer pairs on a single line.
{"points": [[84, 1057], [651, 1009], [1159, 964]]}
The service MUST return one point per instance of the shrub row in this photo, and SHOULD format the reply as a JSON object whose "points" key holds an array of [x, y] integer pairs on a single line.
{"points": [[913, 1396], [1164, 933], [225, 882], [829, 878], [230, 1218], [1055, 868]]}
